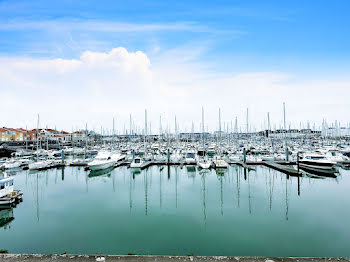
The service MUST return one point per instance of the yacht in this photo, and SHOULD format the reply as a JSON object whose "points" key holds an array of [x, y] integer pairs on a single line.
{"points": [[7, 194], [336, 156], [190, 158], [117, 157], [136, 163], [41, 164], [10, 164], [318, 163], [103, 160], [204, 163], [80, 162], [220, 163]]}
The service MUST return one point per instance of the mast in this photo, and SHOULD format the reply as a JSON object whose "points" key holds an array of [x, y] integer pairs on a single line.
{"points": [[284, 123], [145, 128], [37, 139], [160, 125], [130, 120], [247, 122], [203, 127], [219, 127], [113, 135], [86, 139], [175, 128], [26, 138], [47, 139]]}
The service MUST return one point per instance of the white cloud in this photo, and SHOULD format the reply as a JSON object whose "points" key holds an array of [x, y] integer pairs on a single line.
{"points": [[99, 86], [103, 26]]}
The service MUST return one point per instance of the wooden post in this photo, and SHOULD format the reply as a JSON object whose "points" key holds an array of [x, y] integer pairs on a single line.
{"points": [[298, 162], [168, 156]]}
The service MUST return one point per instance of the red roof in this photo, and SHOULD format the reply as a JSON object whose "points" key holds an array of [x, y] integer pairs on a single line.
{"points": [[12, 129]]}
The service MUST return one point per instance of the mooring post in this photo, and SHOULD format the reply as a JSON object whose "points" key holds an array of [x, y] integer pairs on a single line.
{"points": [[298, 161], [62, 156], [168, 153], [244, 155], [287, 154]]}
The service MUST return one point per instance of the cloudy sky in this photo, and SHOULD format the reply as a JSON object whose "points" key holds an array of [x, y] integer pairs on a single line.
{"points": [[78, 62]]}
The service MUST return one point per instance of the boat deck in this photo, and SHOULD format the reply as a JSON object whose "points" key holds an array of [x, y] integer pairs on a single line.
{"points": [[15, 197]]}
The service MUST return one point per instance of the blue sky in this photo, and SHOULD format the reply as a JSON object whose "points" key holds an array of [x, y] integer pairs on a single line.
{"points": [[307, 40], [258, 33]]}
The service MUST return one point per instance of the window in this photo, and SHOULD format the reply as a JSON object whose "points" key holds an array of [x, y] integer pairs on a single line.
{"points": [[317, 157]]}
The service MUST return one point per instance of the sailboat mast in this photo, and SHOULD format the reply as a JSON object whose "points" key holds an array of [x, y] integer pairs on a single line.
{"points": [[145, 127], [37, 139], [247, 122], [284, 123], [219, 127], [203, 126]]}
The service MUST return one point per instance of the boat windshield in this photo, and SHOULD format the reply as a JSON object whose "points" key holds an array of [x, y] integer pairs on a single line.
{"points": [[7, 183], [190, 155], [137, 161], [315, 157]]}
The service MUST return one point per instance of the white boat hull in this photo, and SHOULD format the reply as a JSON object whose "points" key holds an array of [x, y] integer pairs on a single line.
{"points": [[100, 166]]}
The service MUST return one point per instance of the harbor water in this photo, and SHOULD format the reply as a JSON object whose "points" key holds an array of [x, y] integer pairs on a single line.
{"points": [[180, 211]]}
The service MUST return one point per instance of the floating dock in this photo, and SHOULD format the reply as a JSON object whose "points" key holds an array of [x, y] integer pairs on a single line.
{"points": [[282, 168]]}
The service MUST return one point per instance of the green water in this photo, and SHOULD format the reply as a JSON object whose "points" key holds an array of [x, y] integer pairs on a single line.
{"points": [[179, 212]]}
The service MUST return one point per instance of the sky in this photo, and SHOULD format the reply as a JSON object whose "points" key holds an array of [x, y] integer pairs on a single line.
{"points": [[86, 62]]}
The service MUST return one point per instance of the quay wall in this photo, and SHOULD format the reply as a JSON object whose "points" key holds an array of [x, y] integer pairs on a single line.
{"points": [[151, 258]]}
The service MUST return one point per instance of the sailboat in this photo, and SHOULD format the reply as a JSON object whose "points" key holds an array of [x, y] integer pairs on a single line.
{"points": [[203, 162]]}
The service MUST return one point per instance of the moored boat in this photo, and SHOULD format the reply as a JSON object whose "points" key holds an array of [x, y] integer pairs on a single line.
{"points": [[318, 163], [103, 160]]}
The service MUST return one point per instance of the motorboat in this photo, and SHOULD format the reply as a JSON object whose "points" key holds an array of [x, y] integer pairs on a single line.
{"points": [[220, 163], [8, 195], [38, 165], [10, 164], [81, 162], [136, 163], [117, 157], [318, 163], [190, 158], [103, 160], [204, 163]]}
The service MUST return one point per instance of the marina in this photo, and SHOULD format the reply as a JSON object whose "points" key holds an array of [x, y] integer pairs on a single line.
{"points": [[205, 194]]}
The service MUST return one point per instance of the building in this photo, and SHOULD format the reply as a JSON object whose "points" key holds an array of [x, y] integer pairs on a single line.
{"points": [[11, 134], [3, 135], [78, 136], [51, 135]]}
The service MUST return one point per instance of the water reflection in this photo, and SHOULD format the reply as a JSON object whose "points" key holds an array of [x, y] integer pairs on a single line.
{"points": [[198, 177], [96, 173], [204, 173], [174, 204], [6, 217]]}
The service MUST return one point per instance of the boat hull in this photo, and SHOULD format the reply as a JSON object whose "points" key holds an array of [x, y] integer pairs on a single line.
{"points": [[101, 166]]}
